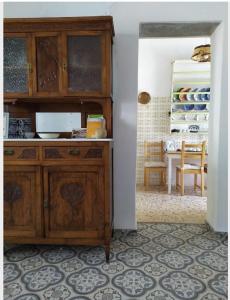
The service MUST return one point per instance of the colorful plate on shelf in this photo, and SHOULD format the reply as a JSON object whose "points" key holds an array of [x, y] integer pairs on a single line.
{"points": [[189, 96], [176, 97], [188, 106], [192, 96], [197, 96], [176, 108], [200, 106], [207, 96], [183, 96], [203, 96], [194, 128]]}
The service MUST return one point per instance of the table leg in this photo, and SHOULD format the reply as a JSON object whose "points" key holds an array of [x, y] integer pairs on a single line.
{"points": [[169, 174]]}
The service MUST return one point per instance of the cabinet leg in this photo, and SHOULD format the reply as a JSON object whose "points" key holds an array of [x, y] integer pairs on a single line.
{"points": [[107, 253]]}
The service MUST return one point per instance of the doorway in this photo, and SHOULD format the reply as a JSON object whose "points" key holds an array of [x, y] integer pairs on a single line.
{"points": [[159, 58]]}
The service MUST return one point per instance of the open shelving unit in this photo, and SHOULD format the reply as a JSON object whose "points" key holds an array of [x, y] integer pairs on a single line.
{"points": [[190, 109]]}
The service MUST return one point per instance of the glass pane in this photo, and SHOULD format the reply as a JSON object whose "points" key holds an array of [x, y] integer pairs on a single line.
{"points": [[47, 64], [15, 65], [85, 63]]}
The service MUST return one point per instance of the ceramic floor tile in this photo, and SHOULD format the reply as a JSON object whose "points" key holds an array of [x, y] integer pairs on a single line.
{"points": [[157, 262]]}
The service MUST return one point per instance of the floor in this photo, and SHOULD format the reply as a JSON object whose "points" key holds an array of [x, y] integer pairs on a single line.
{"points": [[154, 204], [158, 262]]}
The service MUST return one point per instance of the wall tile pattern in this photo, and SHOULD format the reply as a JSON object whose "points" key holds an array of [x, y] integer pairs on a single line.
{"points": [[153, 124]]}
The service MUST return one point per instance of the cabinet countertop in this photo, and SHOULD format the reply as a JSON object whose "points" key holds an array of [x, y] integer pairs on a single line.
{"points": [[59, 140]]}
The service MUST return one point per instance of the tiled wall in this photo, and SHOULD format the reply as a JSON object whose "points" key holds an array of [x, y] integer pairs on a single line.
{"points": [[153, 124]]}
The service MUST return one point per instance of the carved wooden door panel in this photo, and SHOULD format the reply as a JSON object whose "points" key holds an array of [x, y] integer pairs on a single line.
{"points": [[74, 201], [47, 62], [17, 65], [22, 201], [85, 63]]}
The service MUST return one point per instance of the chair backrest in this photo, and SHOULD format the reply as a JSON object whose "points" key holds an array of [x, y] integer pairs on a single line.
{"points": [[189, 151], [154, 150]]}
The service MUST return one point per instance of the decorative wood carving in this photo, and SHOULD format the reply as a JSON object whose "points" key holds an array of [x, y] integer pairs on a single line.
{"points": [[47, 63], [94, 153], [73, 193], [52, 153], [12, 193], [29, 153]]}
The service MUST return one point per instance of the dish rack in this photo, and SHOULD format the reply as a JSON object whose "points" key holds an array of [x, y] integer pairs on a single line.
{"points": [[190, 97]]}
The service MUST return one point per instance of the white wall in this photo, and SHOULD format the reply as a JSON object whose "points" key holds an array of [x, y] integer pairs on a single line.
{"points": [[218, 158], [155, 57], [127, 28], [127, 17], [55, 9]]}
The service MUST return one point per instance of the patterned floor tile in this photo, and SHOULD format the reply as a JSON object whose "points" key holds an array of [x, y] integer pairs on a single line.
{"points": [[156, 205], [156, 262]]}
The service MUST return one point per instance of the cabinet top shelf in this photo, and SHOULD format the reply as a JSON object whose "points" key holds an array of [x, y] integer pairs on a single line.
{"points": [[191, 102], [103, 23], [188, 122], [59, 140], [178, 93], [191, 82], [191, 72], [194, 112]]}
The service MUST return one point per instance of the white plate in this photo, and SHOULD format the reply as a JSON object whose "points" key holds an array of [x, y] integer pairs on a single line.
{"points": [[49, 135]]}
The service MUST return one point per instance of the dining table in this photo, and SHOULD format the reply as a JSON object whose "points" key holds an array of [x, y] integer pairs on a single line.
{"points": [[170, 156]]}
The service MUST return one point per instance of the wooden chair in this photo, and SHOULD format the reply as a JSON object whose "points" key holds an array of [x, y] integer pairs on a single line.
{"points": [[185, 168], [153, 150]]}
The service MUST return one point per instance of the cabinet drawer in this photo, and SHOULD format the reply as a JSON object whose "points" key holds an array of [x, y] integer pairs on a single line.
{"points": [[21, 153], [72, 153]]}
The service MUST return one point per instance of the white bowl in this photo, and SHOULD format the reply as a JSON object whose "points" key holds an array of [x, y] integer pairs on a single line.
{"points": [[29, 135], [48, 135]]}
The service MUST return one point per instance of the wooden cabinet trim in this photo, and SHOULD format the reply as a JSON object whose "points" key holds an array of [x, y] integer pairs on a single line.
{"points": [[104, 23]]}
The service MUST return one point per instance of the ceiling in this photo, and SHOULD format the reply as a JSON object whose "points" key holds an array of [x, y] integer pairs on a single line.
{"points": [[148, 30]]}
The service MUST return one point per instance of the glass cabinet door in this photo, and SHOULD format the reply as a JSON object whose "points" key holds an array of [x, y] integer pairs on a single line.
{"points": [[16, 65], [85, 64]]}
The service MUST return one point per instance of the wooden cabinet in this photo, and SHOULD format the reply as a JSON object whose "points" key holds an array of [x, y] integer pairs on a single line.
{"points": [[58, 192], [58, 57], [74, 201], [58, 201], [22, 202]]}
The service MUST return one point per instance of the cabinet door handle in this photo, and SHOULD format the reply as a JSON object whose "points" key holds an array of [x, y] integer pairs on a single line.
{"points": [[46, 203], [74, 152], [30, 68], [9, 152], [64, 67]]}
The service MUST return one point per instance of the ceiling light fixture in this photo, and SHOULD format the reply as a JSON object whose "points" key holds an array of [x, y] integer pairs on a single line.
{"points": [[202, 53]]}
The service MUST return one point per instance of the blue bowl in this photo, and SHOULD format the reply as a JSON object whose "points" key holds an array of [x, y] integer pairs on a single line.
{"points": [[200, 106], [188, 107]]}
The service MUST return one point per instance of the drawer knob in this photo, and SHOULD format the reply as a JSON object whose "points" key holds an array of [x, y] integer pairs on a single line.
{"points": [[74, 152], [9, 152]]}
